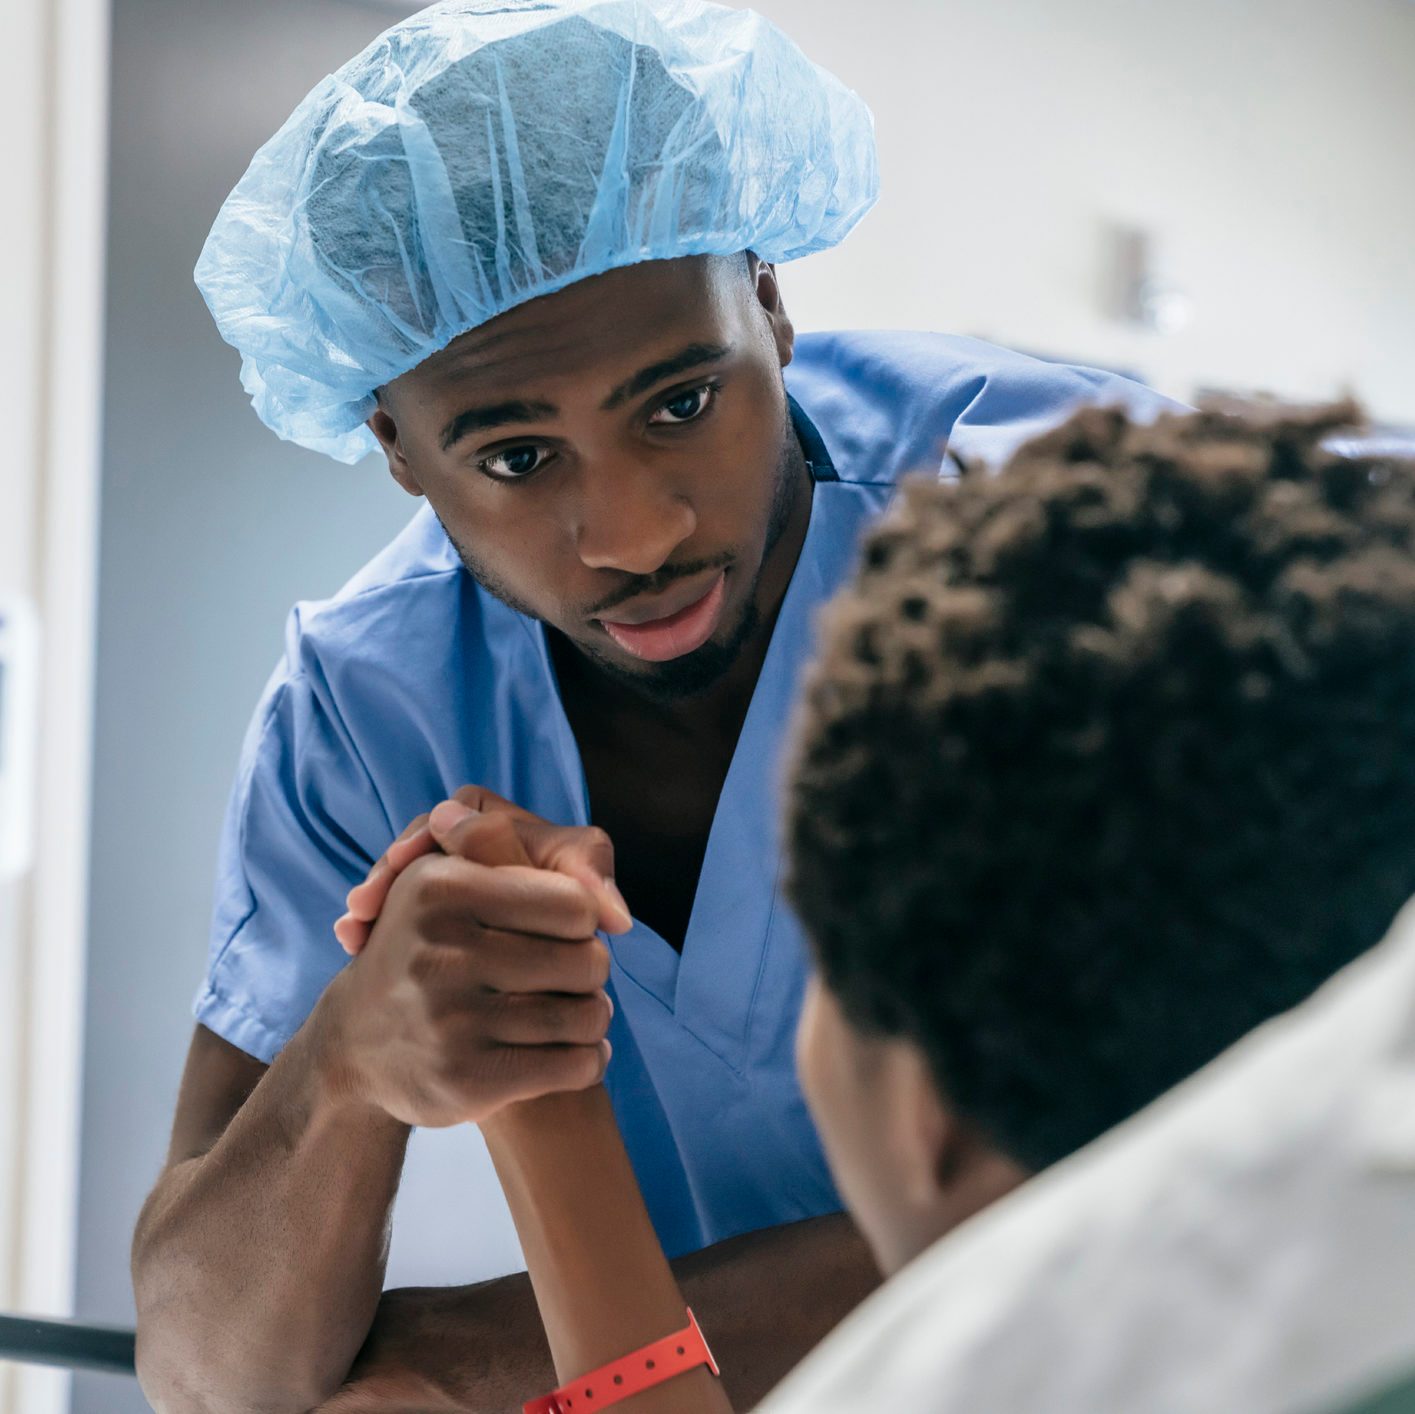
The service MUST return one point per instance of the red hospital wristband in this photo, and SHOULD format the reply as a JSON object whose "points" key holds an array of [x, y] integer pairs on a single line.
{"points": [[631, 1374]]}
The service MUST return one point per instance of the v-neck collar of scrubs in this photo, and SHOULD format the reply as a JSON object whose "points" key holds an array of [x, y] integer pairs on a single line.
{"points": [[710, 987]]}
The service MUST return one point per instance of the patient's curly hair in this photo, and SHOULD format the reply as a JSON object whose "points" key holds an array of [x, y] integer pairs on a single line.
{"points": [[1111, 756]]}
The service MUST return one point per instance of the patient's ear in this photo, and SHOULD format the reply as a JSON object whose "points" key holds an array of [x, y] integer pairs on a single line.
{"points": [[947, 1169], [928, 1137]]}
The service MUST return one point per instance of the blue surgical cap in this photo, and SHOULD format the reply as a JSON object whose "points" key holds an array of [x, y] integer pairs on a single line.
{"points": [[480, 154]]}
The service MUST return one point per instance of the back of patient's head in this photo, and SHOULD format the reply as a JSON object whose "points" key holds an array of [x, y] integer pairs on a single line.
{"points": [[1108, 758]]}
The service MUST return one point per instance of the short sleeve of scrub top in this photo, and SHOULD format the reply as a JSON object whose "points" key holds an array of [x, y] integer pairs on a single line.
{"points": [[291, 849]]}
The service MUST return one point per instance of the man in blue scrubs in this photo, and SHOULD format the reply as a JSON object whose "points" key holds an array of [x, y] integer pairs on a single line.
{"points": [[528, 252]]}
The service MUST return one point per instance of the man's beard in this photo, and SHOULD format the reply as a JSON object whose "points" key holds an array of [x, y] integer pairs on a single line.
{"points": [[695, 672]]}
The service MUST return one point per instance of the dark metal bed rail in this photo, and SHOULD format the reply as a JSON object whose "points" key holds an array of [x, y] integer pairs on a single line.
{"points": [[68, 1344]]}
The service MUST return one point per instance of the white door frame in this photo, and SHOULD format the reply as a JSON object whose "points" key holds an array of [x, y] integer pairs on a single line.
{"points": [[51, 361]]}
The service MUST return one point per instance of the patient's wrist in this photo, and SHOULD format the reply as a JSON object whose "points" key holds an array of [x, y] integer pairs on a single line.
{"points": [[548, 1116]]}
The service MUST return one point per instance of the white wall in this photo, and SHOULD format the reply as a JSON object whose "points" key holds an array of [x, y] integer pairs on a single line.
{"points": [[51, 248], [20, 250], [1267, 142]]}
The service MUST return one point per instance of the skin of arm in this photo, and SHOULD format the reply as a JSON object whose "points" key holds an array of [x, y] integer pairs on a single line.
{"points": [[602, 1283], [763, 1299], [228, 1245], [258, 1259], [600, 1278]]}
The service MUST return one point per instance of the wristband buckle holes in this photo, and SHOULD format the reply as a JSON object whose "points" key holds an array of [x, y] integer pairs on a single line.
{"points": [[619, 1379], [681, 1351]]}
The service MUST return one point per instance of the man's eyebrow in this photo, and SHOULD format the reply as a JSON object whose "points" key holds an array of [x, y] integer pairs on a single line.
{"points": [[498, 415], [483, 419], [691, 357]]}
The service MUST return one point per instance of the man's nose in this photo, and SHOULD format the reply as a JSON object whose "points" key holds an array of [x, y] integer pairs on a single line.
{"points": [[632, 518]]}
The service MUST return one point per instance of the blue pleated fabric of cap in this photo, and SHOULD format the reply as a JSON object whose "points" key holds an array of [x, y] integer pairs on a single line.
{"points": [[481, 154]]}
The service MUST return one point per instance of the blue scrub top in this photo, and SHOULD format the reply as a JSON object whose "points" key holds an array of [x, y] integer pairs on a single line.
{"points": [[412, 681]]}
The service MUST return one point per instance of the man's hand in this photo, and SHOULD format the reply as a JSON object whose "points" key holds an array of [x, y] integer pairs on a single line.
{"points": [[479, 980], [766, 1297], [481, 983]]}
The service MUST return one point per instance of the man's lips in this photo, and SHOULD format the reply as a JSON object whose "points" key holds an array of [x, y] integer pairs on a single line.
{"points": [[676, 633]]}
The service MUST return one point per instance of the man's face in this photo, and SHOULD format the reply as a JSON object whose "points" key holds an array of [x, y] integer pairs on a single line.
{"points": [[615, 460]]}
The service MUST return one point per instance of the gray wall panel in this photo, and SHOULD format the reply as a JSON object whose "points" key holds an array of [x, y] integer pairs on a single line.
{"points": [[211, 530]]}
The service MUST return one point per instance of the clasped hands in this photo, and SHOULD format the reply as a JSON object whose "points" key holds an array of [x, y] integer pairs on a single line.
{"points": [[479, 979]]}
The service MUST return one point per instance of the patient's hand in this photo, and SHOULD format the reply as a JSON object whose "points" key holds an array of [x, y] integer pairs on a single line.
{"points": [[558, 1155], [366, 900], [479, 825]]}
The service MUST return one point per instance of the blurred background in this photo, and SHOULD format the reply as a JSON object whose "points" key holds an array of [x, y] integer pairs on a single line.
{"points": [[1212, 196]]}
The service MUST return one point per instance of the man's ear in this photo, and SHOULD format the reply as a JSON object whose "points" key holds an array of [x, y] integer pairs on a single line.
{"points": [[768, 293], [382, 425]]}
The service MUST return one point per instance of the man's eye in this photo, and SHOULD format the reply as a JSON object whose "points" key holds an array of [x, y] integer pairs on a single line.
{"points": [[513, 464], [686, 406]]}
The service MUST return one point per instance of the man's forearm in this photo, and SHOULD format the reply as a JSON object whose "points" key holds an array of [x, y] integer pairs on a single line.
{"points": [[768, 1298], [257, 1266], [764, 1300]]}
